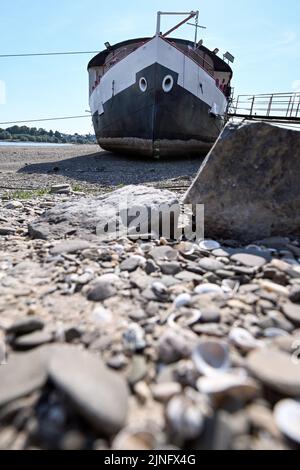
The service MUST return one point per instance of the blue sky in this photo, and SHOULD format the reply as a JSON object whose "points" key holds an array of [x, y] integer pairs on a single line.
{"points": [[263, 35]]}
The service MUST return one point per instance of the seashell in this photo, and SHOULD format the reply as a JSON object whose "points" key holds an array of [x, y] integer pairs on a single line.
{"points": [[275, 333], [160, 290], [287, 418], [243, 339], [134, 337], [239, 386], [208, 289], [184, 319], [184, 418], [209, 245], [136, 438], [230, 287], [187, 248], [211, 357], [183, 300]]}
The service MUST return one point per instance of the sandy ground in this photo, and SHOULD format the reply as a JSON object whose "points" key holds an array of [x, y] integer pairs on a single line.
{"points": [[88, 168]]}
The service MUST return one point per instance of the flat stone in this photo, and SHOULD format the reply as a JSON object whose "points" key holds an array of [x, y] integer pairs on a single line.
{"points": [[292, 312], [32, 340], [7, 231], [163, 392], [138, 370], [26, 326], [69, 247], [99, 395], [97, 217], [170, 269], [101, 290], [210, 264], [14, 205], [132, 263], [175, 345], [23, 374], [276, 370], [61, 189], [249, 260], [210, 315], [163, 253]]}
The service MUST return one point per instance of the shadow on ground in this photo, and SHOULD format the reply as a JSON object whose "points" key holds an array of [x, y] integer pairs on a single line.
{"points": [[108, 169]]}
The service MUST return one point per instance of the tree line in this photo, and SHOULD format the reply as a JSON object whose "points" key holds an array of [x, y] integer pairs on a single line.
{"points": [[33, 134]]}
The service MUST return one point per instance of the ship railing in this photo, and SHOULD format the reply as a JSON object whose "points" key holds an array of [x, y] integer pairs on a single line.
{"points": [[281, 105], [197, 57], [119, 56]]}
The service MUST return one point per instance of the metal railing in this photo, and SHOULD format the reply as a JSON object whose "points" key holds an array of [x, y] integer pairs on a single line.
{"points": [[281, 106]]}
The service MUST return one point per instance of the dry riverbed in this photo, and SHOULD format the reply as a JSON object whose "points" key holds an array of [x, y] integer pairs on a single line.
{"points": [[140, 344]]}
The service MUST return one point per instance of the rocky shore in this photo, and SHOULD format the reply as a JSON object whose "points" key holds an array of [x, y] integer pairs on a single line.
{"points": [[146, 344]]}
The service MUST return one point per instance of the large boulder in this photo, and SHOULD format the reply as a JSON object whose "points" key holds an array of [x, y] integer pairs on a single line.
{"points": [[250, 183], [86, 217]]}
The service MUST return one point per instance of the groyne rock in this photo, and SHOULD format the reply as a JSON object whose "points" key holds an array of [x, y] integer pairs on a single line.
{"points": [[249, 183], [124, 209]]}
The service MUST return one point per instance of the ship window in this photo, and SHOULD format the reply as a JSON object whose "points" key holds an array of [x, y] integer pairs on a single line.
{"points": [[168, 83], [143, 84]]}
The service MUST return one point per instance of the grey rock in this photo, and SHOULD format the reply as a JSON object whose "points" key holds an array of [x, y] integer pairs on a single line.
{"points": [[210, 264], [294, 294], [175, 345], [12, 205], [69, 247], [26, 326], [99, 395], [170, 269], [138, 370], [61, 189], [23, 374], [249, 183], [276, 370], [248, 259], [101, 290], [7, 231], [131, 264], [292, 312], [151, 267], [89, 217], [32, 340]]}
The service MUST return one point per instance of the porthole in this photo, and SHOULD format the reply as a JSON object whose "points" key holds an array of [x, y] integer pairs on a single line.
{"points": [[168, 83], [143, 84]]}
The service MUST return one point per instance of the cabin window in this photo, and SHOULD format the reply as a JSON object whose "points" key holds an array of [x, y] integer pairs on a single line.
{"points": [[143, 84], [168, 83]]}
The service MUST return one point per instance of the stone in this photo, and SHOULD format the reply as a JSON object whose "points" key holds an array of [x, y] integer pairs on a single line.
{"points": [[151, 267], [210, 264], [69, 247], [294, 294], [287, 417], [249, 260], [249, 183], [32, 340], [292, 312], [209, 245], [276, 370], [138, 370], [170, 269], [26, 326], [98, 217], [23, 374], [12, 205], [61, 189], [100, 291], [132, 263], [163, 253], [163, 392], [175, 345], [99, 395], [7, 231]]}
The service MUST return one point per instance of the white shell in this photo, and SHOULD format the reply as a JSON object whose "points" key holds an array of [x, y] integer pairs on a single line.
{"points": [[208, 289], [184, 319], [222, 384], [134, 337], [211, 358], [209, 245], [287, 418], [102, 316], [183, 300], [243, 339]]}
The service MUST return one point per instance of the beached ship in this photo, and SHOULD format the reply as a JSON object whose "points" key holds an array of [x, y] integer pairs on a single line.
{"points": [[159, 96]]}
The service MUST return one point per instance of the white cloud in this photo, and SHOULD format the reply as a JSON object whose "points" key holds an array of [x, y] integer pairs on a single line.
{"points": [[296, 86], [2, 92]]}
